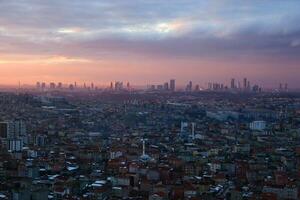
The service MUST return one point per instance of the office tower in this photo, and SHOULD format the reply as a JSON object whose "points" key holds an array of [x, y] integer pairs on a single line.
{"points": [[118, 85], [160, 87], [59, 85], [151, 87], [280, 86], [255, 88], [92, 85], [52, 85], [245, 86], [38, 85], [71, 87], [43, 86], [232, 84], [197, 88], [248, 85], [172, 85], [166, 86], [213, 86], [128, 86], [210, 86], [189, 86], [75, 84], [286, 87]]}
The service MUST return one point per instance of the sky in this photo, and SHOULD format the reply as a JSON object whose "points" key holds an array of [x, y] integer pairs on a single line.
{"points": [[150, 41]]}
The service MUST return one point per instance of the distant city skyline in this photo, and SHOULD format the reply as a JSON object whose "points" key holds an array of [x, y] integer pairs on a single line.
{"points": [[237, 84], [150, 41], [171, 85]]}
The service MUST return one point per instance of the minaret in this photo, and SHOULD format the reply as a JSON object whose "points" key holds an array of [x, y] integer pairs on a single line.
{"points": [[143, 147], [145, 157]]}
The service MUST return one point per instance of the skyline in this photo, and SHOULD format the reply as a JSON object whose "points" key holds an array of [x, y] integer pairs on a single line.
{"points": [[236, 85], [150, 41]]}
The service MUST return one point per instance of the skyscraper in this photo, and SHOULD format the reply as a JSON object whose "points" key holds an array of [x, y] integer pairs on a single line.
{"points": [[210, 86], [118, 85], [245, 85], [59, 85], [43, 86], [166, 86], [38, 85], [286, 87], [189, 86], [172, 85], [71, 87], [232, 84], [128, 86], [280, 86], [52, 85]]}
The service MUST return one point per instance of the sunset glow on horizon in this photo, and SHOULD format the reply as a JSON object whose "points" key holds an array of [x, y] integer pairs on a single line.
{"points": [[150, 41]]}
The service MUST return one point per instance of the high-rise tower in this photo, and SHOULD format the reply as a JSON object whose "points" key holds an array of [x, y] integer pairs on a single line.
{"points": [[172, 85], [232, 84]]}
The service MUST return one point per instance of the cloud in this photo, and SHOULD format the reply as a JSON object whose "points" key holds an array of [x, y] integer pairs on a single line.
{"points": [[45, 60], [155, 29], [295, 43]]}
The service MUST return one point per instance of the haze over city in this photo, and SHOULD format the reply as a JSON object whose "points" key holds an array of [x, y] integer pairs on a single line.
{"points": [[149, 100], [149, 41]]}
